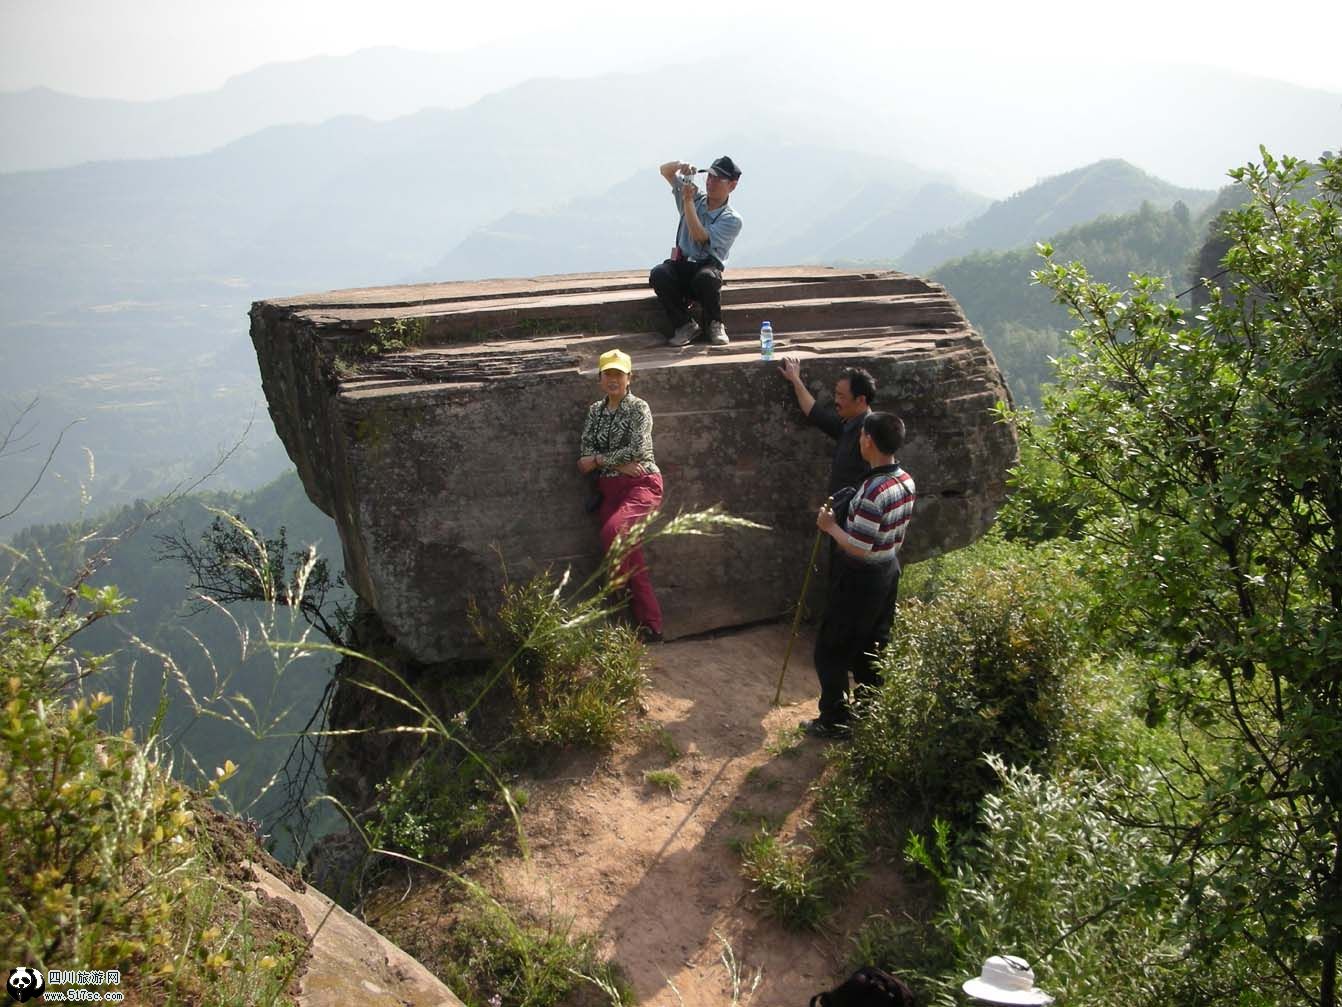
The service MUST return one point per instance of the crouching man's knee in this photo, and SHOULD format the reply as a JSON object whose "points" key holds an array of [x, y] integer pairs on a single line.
{"points": [[706, 281], [660, 275]]}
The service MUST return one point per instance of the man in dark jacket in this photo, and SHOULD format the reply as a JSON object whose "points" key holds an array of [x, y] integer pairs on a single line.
{"points": [[842, 420]]}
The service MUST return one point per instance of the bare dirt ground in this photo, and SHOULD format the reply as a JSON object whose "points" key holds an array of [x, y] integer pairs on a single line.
{"points": [[655, 873]]}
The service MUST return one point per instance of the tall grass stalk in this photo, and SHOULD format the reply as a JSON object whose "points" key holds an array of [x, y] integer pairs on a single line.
{"points": [[736, 973]]}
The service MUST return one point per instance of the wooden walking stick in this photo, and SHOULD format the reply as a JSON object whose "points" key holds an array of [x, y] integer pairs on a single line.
{"points": [[801, 603]]}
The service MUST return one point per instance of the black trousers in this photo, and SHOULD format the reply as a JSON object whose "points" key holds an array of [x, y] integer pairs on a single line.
{"points": [[679, 281], [859, 609]]}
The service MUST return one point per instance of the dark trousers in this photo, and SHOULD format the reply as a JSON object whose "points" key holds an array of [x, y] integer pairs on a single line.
{"points": [[859, 608], [679, 281]]}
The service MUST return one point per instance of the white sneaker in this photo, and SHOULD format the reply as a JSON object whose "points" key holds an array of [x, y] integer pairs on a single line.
{"points": [[717, 334], [685, 334]]}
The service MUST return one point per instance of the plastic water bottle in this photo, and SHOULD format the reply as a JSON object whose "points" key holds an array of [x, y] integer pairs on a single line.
{"points": [[766, 341]]}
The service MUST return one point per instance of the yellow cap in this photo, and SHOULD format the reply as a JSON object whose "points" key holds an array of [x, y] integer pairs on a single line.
{"points": [[615, 360]]}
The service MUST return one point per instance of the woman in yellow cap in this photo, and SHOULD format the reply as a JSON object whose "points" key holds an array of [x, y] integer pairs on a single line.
{"points": [[617, 445]]}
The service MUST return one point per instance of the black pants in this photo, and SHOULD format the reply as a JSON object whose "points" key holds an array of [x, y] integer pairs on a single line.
{"points": [[679, 281], [859, 608]]}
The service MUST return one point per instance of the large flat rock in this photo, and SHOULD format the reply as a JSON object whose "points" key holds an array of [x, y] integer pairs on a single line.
{"points": [[350, 962], [443, 460]]}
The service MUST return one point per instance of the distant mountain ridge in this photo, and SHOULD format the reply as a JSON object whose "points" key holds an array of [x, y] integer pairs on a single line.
{"points": [[905, 216], [871, 227], [46, 129], [1111, 186], [986, 125], [633, 222]]}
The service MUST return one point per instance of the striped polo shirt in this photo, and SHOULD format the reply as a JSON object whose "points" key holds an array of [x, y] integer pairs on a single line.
{"points": [[879, 514]]}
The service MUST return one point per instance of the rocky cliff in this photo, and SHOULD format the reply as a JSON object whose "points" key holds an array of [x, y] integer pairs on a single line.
{"points": [[438, 425]]}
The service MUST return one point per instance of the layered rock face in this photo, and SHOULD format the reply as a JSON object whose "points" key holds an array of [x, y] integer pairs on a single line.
{"points": [[439, 426]]}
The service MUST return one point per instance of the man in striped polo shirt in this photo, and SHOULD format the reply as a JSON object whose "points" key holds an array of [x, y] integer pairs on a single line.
{"points": [[863, 589]]}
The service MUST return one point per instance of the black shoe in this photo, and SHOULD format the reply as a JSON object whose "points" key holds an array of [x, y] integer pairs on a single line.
{"points": [[648, 635], [825, 729]]}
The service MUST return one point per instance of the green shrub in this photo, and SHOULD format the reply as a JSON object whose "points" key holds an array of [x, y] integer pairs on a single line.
{"points": [[90, 829], [575, 678], [799, 882], [1116, 723], [104, 860], [35, 639], [585, 705], [838, 832], [980, 662], [783, 875], [224, 955], [493, 960], [440, 804], [1054, 876], [904, 945]]}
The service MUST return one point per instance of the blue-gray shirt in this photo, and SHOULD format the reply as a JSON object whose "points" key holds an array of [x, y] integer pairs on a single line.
{"points": [[722, 225]]}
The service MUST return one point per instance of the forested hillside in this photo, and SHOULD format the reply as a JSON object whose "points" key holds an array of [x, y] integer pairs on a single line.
{"points": [[1050, 206], [1020, 320]]}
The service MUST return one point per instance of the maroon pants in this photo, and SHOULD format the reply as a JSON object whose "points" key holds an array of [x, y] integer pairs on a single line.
{"points": [[626, 500]]}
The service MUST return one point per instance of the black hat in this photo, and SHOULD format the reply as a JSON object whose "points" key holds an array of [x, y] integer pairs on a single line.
{"points": [[725, 167]]}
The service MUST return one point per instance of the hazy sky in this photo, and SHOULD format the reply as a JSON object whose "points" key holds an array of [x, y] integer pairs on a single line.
{"points": [[157, 48]]}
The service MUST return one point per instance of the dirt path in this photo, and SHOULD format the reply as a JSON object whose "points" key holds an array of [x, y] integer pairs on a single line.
{"points": [[654, 873]]}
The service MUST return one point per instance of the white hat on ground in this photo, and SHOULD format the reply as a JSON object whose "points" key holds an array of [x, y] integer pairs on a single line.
{"points": [[1006, 979]]}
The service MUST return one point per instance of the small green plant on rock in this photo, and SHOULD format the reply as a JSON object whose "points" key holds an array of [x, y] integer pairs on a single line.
{"points": [[398, 334], [383, 337]]}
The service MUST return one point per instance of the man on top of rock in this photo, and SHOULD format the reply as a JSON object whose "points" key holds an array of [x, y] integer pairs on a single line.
{"points": [[708, 226]]}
